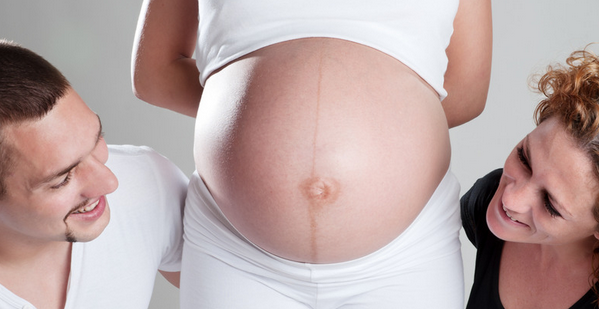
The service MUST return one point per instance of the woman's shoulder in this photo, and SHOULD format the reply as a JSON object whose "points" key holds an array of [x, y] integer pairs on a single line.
{"points": [[588, 301]]}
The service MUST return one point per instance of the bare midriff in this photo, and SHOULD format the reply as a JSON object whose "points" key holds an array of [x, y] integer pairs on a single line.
{"points": [[320, 150]]}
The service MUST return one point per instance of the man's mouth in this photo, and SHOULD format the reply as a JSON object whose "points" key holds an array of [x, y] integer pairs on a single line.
{"points": [[87, 208]]}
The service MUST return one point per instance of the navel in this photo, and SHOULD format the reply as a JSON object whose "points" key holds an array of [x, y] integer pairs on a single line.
{"points": [[320, 191]]}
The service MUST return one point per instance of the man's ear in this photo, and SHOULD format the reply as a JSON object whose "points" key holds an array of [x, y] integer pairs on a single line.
{"points": [[596, 235]]}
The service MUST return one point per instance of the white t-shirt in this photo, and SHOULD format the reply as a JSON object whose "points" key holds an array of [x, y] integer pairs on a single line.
{"points": [[117, 269]]}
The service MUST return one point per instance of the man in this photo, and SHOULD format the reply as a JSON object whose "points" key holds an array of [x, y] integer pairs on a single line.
{"points": [[61, 245]]}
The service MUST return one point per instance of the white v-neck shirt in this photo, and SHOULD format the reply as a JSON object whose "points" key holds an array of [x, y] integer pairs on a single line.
{"points": [[117, 269]]}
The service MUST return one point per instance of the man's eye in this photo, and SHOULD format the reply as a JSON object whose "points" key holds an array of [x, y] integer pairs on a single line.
{"points": [[64, 182]]}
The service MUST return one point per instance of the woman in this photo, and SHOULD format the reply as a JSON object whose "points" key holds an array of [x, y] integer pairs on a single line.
{"points": [[321, 145], [535, 223]]}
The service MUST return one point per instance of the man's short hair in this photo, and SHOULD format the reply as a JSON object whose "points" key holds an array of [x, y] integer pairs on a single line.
{"points": [[29, 88]]}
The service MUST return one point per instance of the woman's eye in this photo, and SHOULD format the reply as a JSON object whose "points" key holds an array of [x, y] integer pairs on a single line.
{"points": [[522, 157], [549, 206]]}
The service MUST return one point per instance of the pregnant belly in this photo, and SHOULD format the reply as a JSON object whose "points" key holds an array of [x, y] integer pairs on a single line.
{"points": [[320, 150]]}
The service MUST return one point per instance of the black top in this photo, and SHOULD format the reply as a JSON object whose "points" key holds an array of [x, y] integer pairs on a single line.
{"points": [[485, 289]]}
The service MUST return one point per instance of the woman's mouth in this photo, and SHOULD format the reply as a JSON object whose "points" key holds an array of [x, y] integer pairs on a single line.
{"points": [[508, 214]]}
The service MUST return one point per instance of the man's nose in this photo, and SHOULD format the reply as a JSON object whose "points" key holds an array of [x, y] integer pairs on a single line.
{"points": [[98, 179]]}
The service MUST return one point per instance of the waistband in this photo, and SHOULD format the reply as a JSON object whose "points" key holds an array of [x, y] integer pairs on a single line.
{"points": [[433, 235]]}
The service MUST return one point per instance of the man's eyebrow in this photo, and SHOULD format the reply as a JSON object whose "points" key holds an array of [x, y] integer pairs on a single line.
{"points": [[100, 132], [72, 166], [58, 174]]}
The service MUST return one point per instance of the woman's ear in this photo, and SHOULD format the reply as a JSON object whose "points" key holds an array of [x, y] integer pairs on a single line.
{"points": [[596, 235]]}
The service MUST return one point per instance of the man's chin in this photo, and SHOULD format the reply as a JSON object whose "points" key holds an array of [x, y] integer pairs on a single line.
{"points": [[84, 232]]}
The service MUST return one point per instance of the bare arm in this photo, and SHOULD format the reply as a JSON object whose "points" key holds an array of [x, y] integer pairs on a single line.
{"points": [[172, 277], [469, 69], [162, 68]]}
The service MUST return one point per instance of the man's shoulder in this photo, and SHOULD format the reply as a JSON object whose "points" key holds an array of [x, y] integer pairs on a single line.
{"points": [[141, 161], [131, 154], [130, 150], [145, 178]]}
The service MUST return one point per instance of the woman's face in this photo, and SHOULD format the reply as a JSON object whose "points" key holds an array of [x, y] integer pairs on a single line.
{"points": [[547, 191]]}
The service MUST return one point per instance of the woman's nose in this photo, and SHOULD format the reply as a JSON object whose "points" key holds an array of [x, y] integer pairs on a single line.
{"points": [[518, 196]]}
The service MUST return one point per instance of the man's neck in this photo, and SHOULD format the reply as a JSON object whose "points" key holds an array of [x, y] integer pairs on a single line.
{"points": [[38, 274]]}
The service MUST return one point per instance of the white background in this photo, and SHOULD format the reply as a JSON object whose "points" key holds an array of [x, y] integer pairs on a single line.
{"points": [[90, 42]]}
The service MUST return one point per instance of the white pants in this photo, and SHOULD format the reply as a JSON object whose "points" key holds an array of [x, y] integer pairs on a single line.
{"points": [[422, 268]]}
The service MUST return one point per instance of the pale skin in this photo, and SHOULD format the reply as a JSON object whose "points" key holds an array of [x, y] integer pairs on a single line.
{"points": [[547, 259], [55, 192], [320, 134]]}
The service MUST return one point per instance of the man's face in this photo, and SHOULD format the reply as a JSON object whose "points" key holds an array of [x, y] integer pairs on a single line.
{"points": [[56, 188]]}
